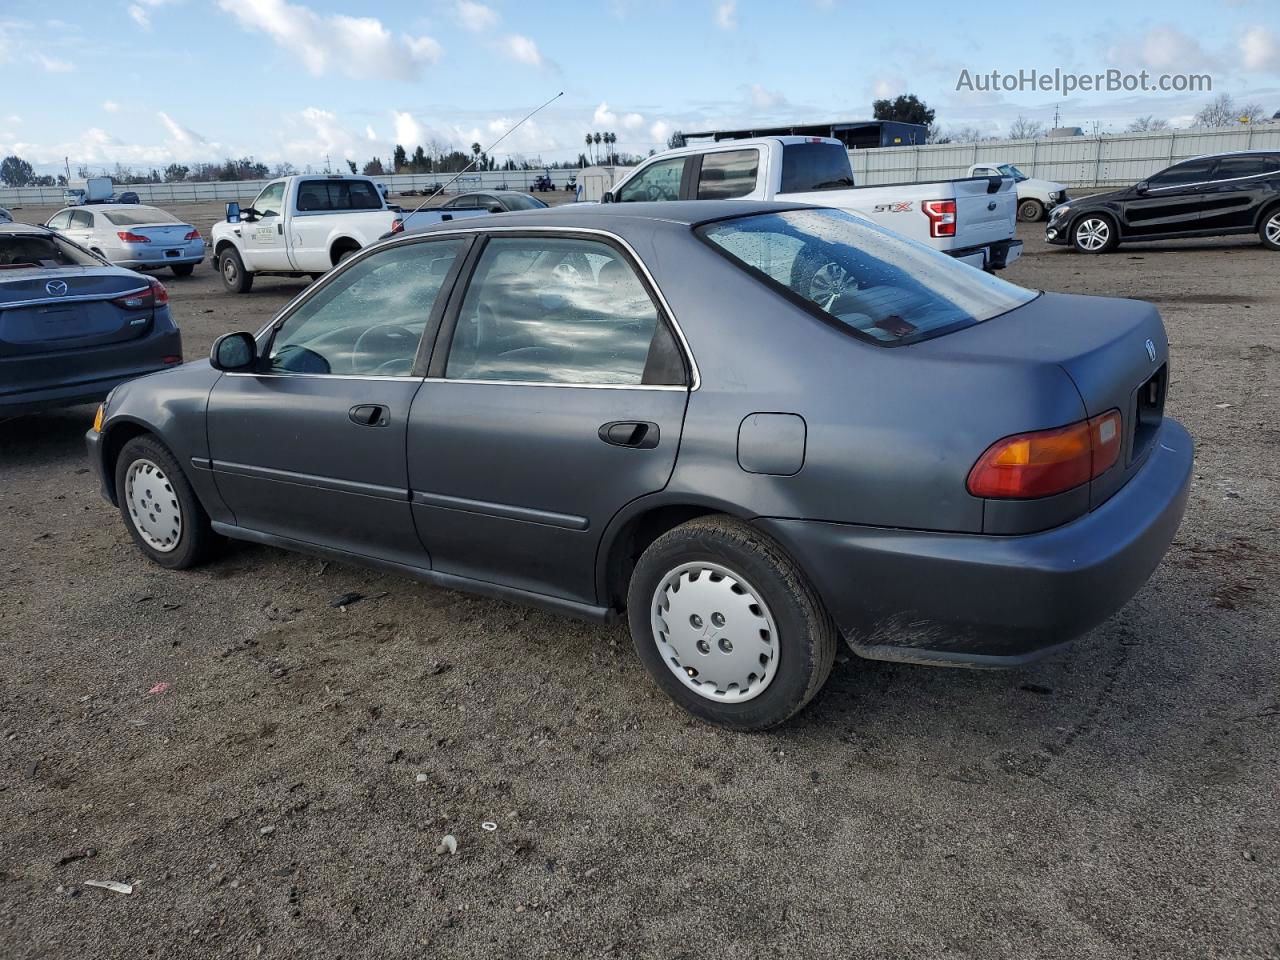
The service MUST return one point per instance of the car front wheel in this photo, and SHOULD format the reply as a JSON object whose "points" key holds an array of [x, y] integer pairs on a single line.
{"points": [[159, 507], [1030, 211], [234, 276], [1094, 234], [728, 626]]}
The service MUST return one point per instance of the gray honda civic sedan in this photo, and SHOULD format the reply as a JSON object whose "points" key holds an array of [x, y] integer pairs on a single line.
{"points": [[751, 429]]}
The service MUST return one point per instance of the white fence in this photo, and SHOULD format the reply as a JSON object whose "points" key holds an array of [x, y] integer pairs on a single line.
{"points": [[246, 190], [1076, 161]]}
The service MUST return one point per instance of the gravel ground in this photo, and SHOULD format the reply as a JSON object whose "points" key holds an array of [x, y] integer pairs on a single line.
{"points": [[286, 793]]}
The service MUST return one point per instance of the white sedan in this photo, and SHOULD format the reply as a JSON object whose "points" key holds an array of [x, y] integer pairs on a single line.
{"points": [[132, 235]]}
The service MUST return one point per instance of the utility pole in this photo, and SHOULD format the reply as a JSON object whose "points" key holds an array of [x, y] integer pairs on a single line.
{"points": [[326, 164]]}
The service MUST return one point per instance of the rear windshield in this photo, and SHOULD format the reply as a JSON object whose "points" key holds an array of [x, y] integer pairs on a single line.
{"points": [[517, 202], [879, 285], [40, 250], [139, 215], [815, 166]]}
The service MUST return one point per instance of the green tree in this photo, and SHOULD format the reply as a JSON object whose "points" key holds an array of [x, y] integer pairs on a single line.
{"points": [[906, 108], [351, 165], [15, 172], [373, 168], [676, 140], [398, 159], [176, 171]]}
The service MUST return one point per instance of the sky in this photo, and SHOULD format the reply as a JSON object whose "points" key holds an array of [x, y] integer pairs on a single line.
{"points": [[150, 82]]}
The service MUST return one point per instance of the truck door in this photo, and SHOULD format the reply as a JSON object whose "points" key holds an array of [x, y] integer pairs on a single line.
{"points": [[263, 242]]}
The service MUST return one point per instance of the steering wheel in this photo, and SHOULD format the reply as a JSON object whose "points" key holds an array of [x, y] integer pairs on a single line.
{"points": [[567, 274], [392, 338]]}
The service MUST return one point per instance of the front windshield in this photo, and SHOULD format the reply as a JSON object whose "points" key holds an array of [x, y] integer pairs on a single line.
{"points": [[878, 284], [139, 215], [19, 250], [1009, 170]]}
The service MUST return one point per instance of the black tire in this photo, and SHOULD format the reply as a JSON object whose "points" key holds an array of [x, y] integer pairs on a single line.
{"points": [[1085, 224], [235, 278], [1030, 211], [196, 539], [1269, 229], [183, 269], [806, 636]]}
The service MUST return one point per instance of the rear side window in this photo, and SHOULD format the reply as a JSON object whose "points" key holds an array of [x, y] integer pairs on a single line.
{"points": [[815, 166], [559, 310], [729, 174], [658, 181], [316, 195], [1229, 168], [880, 286], [82, 219]]}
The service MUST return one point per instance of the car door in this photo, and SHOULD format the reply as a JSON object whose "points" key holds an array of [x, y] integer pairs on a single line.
{"points": [[311, 446], [556, 395], [1238, 187], [1172, 202], [263, 240]]}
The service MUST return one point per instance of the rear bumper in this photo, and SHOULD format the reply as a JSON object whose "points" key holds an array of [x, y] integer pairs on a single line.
{"points": [[160, 261], [990, 256], [986, 601]]}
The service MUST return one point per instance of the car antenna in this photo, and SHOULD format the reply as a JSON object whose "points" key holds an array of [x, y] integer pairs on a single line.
{"points": [[483, 153]]}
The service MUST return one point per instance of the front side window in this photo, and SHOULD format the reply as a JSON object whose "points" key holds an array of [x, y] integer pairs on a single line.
{"points": [[59, 220], [880, 285], [270, 200], [368, 320], [729, 174], [658, 181], [1193, 171], [467, 201], [559, 310]]}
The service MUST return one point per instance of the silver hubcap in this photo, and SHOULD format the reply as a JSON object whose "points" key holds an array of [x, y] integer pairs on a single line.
{"points": [[1093, 234], [829, 285], [153, 505], [714, 632], [1273, 229]]}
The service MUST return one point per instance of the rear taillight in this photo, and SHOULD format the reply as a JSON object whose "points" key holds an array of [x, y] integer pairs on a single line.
{"points": [[127, 236], [193, 235], [397, 225], [942, 217], [1040, 464], [154, 296]]}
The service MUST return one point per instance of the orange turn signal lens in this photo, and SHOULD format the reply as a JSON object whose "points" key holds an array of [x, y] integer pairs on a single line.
{"points": [[1045, 462], [97, 418]]}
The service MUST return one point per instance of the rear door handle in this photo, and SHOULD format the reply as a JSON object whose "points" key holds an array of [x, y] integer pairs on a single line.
{"points": [[636, 434], [370, 415]]}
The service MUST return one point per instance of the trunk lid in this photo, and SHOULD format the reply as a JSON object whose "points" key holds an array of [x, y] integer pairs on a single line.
{"points": [[982, 215], [1115, 352], [169, 234], [36, 316]]}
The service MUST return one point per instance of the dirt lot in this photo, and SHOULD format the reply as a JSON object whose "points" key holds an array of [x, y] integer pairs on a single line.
{"points": [[285, 796]]}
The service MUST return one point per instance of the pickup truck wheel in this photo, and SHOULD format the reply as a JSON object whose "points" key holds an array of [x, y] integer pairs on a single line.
{"points": [[1094, 233], [728, 626], [234, 276], [1270, 230], [1030, 211]]}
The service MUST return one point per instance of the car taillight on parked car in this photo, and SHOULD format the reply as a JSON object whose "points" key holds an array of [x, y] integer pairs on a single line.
{"points": [[128, 236], [156, 295], [193, 235], [1040, 464], [942, 217]]}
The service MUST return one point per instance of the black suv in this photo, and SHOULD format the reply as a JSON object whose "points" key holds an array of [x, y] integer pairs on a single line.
{"points": [[1227, 193]]}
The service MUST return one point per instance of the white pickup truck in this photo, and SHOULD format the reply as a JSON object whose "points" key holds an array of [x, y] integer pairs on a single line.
{"points": [[1036, 197], [972, 219], [303, 225]]}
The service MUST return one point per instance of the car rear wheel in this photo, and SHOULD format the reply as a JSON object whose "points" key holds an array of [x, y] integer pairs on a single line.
{"points": [[1270, 230], [234, 276], [728, 626], [183, 269], [1094, 234], [159, 507], [1030, 211]]}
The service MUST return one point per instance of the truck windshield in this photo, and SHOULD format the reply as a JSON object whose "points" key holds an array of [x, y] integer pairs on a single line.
{"points": [[815, 166], [877, 284], [1009, 170]]}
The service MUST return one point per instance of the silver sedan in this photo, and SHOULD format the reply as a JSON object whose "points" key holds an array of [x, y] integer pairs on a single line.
{"points": [[132, 235]]}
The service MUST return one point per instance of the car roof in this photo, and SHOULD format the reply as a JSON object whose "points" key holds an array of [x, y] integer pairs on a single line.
{"points": [[620, 217], [495, 193]]}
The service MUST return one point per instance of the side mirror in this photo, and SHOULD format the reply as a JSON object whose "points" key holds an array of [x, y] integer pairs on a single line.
{"points": [[1142, 188], [233, 212], [233, 351], [608, 197]]}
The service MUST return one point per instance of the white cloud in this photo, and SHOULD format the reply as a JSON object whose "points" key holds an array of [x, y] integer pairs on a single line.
{"points": [[140, 16], [409, 132], [603, 115], [369, 134], [53, 65], [181, 134], [476, 17], [660, 130], [110, 106], [727, 15], [357, 46], [1260, 48], [522, 50], [1163, 47], [633, 121], [763, 99]]}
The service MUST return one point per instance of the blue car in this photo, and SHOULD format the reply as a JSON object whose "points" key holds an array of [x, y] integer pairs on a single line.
{"points": [[72, 326]]}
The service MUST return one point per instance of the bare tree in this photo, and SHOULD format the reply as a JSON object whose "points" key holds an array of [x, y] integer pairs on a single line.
{"points": [[1024, 129], [1251, 113], [1147, 124], [962, 135], [1221, 111]]}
